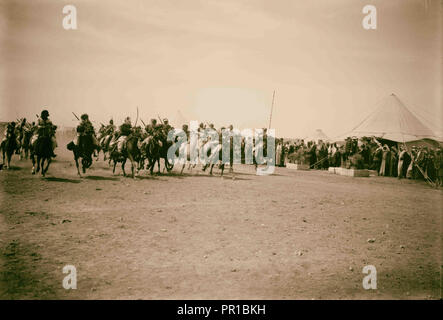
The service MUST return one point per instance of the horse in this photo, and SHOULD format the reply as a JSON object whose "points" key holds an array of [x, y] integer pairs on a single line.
{"points": [[213, 156], [186, 149], [26, 144], [104, 145], [164, 154], [150, 149], [42, 148], [9, 146], [84, 150], [130, 151]]}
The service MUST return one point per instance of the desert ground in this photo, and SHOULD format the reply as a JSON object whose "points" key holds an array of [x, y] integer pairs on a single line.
{"points": [[291, 235]]}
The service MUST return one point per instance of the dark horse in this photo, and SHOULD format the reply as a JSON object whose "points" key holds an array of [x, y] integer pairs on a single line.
{"points": [[26, 143], [42, 148], [130, 151], [84, 150], [164, 154], [8, 147], [151, 152]]}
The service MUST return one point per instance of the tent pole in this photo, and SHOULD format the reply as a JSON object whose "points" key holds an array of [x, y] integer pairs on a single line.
{"points": [[272, 107]]}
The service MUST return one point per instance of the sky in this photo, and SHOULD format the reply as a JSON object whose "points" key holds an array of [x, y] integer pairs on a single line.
{"points": [[220, 61]]}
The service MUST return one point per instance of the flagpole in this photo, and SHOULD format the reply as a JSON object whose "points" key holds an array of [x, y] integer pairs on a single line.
{"points": [[272, 108]]}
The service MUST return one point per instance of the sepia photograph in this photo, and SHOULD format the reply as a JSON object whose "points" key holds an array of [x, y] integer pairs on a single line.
{"points": [[241, 150]]}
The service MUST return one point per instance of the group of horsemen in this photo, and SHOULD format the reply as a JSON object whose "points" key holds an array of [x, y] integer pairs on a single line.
{"points": [[108, 138]]}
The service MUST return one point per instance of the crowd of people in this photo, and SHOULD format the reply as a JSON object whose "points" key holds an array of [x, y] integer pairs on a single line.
{"points": [[387, 158]]}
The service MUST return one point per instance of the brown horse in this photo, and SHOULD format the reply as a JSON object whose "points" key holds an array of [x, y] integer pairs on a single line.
{"points": [[129, 151], [8, 147], [152, 152], [42, 148], [26, 144], [84, 150]]}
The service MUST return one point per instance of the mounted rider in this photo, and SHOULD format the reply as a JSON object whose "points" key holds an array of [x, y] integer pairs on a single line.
{"points": [[121, 135], [108, 132], [165, 127], [153, 129], [85, 128], [20, 130], [10, 131], [45, 128]]}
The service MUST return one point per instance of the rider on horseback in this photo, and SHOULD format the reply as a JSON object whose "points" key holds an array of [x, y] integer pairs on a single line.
{"points": [[85, 128], [121, 135], [10, 131], [165, 128], [108, 132], [45, 128], [153, 128]]}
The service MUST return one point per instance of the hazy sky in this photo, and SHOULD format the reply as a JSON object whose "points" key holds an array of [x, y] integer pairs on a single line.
{"points": [[220, 60]]}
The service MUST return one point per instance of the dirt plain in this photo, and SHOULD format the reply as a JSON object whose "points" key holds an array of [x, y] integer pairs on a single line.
{"points": [[291, 235]]}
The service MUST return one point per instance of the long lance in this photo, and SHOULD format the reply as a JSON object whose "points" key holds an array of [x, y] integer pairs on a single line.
{"points": [[160, 119], [143, 122]]}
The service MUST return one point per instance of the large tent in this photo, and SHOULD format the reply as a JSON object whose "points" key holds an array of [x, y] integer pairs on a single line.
{"points": [[393, 121], [316, 136]]}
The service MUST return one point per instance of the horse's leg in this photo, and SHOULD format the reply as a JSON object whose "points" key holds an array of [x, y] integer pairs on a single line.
{"points": [[210, 171], [151, 166], [183, 167], [38, 164], [123, 167], [48, 161], [42, 166], [76, 164], [222, 168], [132, 166], [113, 169], [9, 156], [158, 164], [33, 163]]}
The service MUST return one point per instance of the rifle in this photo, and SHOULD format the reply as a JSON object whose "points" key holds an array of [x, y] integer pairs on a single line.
{"points": [[76, 116], [160, 119]]}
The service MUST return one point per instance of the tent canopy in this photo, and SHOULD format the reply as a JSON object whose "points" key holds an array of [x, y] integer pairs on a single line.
{"points": [[392, 121], [316, 136]]}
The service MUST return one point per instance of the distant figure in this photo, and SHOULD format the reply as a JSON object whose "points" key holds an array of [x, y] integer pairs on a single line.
{"points": [[401, 159], [384, 158]]}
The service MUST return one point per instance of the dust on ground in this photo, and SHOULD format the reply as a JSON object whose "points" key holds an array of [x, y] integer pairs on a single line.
{"points": [[292, 235]]}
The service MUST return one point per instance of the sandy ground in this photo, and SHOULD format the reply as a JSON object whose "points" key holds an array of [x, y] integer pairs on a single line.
{"points": [[292, 235]]}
